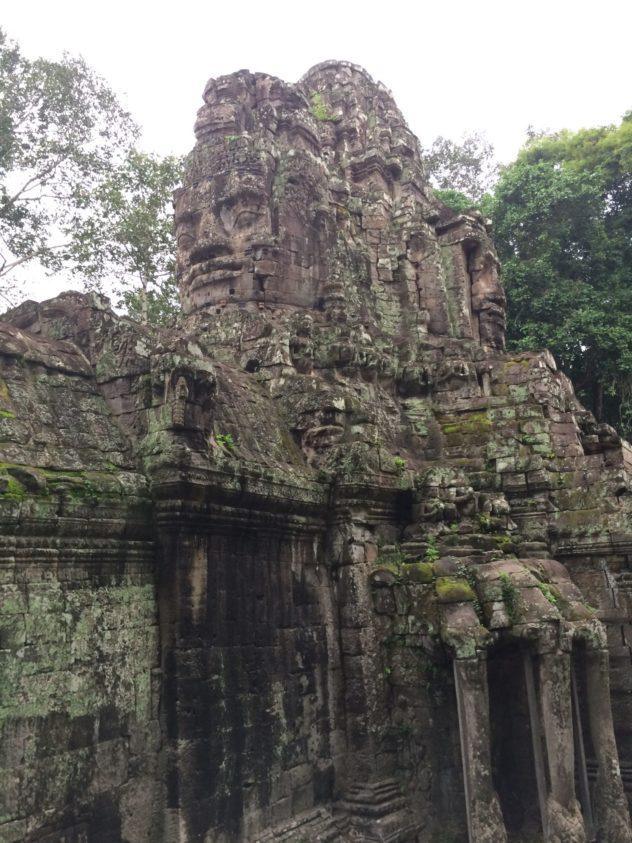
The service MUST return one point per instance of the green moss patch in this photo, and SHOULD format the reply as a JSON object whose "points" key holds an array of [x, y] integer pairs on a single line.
{"points": [[420, 572], [454, 590], [472, 423]]}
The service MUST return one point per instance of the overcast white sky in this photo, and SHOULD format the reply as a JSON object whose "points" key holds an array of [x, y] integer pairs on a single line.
{"points": [[453, 67]]}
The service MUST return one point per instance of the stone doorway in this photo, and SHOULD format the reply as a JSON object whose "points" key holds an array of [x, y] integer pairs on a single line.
{"points": [[513, 765]]}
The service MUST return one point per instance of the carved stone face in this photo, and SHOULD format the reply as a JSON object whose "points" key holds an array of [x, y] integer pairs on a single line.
{"points": [[254, 232], [488, 299], [223, 226], [313, 196]]}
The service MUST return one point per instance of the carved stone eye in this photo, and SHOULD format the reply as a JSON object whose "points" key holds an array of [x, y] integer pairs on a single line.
{"points": [[185, 238], [246, 219], [188, 217]]}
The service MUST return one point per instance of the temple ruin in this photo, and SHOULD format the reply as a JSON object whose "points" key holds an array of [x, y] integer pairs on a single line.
{"points": [[323, 562]]}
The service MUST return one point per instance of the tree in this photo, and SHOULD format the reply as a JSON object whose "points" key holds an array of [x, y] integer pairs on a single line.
{"points": [[61, 132], [124, 229], [562, 217], [75, 193], [467, 168]]}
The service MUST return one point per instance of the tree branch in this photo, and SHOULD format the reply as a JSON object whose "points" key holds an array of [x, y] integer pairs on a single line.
{"points": [[37, 178], [6, 268]]}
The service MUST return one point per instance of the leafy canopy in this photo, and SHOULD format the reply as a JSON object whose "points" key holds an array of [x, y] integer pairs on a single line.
{"points": [[467, 168], [75, 193], [128, 234], [562, 217], [61, 131]]}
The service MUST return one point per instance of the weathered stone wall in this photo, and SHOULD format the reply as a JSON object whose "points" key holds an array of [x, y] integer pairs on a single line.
{"points": [[266, 570], [252, 678], [78, 617]]}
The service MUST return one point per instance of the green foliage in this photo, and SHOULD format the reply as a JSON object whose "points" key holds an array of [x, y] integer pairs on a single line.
{"points": [[455, 200], [562, 216], [319, 108], [61, 132], [510, 596], [225, 440], [74, 192], [463, 172], [399, 463], [128, 234], [432, 551], [485, 522], [467, 573], [548, 592]]}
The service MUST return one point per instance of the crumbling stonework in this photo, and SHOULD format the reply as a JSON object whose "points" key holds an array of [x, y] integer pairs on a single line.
{"points": [[323, 562]]}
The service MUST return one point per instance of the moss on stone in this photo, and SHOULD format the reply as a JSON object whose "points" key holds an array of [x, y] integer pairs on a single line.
{"points": [[419, 572], [471, 423], [13, 490], [319, 108], [454, 590]]}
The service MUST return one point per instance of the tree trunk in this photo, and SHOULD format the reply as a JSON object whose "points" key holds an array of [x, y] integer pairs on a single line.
{"points": [[144, 302], [598, 401]]}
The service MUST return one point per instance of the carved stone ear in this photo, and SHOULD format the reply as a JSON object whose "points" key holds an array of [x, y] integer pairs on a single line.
{"points": [[182, 389], [180, 396]]}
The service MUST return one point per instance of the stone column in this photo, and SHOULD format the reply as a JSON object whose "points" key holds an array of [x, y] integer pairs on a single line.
{"points": [[611, 812], [371, 796], [364, 687], [564, 820], [580, 755], [484, 817], [535, 724]]}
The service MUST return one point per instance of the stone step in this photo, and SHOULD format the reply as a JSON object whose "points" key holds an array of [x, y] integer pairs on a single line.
{"points": [[533, 550], [414, 547], [317, 825], [388, 806], [377, 811]]}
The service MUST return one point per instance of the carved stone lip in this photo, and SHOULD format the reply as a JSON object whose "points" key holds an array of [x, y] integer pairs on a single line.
{"points": [[495, 313], [201, 279], [215, 266], [209, 252]]}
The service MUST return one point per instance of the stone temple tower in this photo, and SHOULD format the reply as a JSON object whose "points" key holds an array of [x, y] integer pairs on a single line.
{"points": [[322, 561]]}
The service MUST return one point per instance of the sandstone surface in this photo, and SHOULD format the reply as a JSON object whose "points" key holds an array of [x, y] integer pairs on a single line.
{"points": [[323, 561]]}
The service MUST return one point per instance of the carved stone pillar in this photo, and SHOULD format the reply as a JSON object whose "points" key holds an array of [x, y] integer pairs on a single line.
{"points": [[484, 817], [580, 760], [371, 796], [535, 722], [564, 820], [611, 812]]}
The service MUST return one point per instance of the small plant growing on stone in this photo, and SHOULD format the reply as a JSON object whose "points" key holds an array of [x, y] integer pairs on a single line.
{"points": [[510, 596], [225, 440], [467, 573], [319, 108], [432, 551], [547, 591], [484, 522], [399, 463]]}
